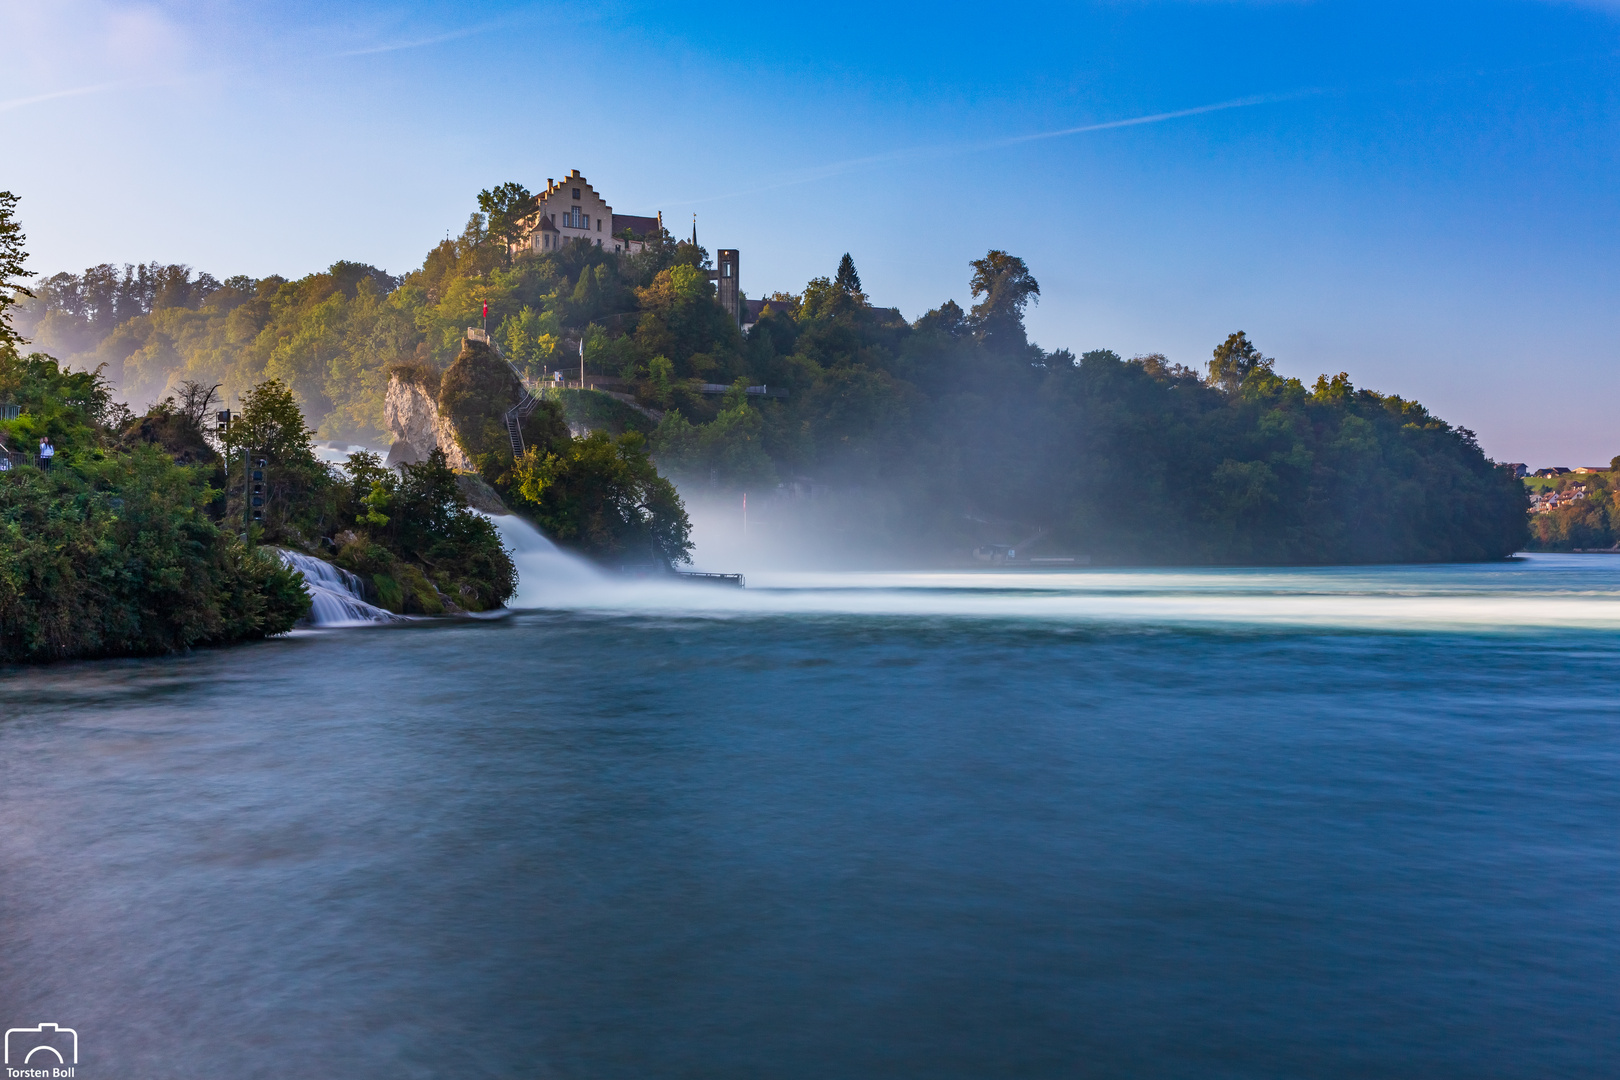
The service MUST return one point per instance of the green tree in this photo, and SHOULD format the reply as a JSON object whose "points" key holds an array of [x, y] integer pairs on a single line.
{"points": [[847, 279], [12, 271], [531, 339], [1007, 287], [297, 485], [504, 208], [603, 496], [1235, 359]]}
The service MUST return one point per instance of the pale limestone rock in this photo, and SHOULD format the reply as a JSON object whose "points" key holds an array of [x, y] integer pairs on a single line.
{"points": [[413, 418]]}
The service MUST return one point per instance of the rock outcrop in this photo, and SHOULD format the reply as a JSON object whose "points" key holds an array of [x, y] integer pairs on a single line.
{"points": [[411, 410], [463, 411]]}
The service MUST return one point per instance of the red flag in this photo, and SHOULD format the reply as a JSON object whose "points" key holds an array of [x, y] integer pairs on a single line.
{"points": [[486, 309]]}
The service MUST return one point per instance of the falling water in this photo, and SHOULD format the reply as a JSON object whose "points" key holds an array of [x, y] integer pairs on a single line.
{"points": [[548, 577], [338, 597]]}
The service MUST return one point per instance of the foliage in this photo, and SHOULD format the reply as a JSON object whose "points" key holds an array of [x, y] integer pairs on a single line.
{"points": [[1234, 360], [1587, 516], [846, 278], [1007, 287], [68, 407], [117, 557], [602, 495], [729, 450], [504, 207], [12, 258], [413, 526], [413, 534], [531, 340]]}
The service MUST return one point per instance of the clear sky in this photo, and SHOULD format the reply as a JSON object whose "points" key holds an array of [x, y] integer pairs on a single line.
{"points": [[1422, 195]]}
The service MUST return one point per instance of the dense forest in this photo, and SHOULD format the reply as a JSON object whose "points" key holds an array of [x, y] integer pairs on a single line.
{"points": [[917, 439]]}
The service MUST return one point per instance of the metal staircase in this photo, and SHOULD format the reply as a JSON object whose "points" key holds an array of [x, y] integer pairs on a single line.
{"points": [[514, 421]]}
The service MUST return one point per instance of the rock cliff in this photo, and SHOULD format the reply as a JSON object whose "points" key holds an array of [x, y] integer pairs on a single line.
{"points": [[411, 410], [463, 412]]}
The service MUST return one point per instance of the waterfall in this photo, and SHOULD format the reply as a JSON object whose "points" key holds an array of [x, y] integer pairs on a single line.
{"points": [[548, 577], [338, 596]]}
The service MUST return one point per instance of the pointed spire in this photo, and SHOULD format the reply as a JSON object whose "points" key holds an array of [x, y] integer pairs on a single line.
{"points": [[694, 230]]}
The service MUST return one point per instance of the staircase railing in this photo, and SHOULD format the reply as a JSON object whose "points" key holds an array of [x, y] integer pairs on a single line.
{"points": [[514, 422]]}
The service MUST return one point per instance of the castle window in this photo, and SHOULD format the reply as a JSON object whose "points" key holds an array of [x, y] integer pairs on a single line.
{"points": [[576, 193], [598, 224]]}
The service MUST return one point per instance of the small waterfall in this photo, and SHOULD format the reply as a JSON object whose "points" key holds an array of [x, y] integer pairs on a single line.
{"points": [[338, 596]]}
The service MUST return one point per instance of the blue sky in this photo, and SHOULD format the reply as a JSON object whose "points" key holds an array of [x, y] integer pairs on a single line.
{"points": [[1422, 195]]}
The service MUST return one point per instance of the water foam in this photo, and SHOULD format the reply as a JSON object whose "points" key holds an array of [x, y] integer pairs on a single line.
{"points": [[337, 596], [1536, 592], [549, 577]]}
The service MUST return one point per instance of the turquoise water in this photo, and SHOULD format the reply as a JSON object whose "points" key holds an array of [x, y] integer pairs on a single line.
{"points": [[1181, 824]]}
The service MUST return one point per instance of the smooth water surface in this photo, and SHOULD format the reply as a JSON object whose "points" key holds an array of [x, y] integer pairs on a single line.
{"points": [[1360, 823]]}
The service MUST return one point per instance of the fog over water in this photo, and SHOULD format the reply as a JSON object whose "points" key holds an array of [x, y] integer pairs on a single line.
{"points": [[1234, 823]]}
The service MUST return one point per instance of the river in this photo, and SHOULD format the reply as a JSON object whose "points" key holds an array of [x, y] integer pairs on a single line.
{"points": [[1360, 822]]}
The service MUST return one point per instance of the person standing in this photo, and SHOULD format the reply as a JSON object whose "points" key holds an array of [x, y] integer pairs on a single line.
{"points": [[46, 452]]}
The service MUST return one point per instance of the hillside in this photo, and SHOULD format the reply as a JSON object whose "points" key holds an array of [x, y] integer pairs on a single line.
{"points": [[918, 439]]}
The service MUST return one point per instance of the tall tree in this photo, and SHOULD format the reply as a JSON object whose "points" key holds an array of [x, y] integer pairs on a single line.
{"points": [[1233, 360], [1007, 287], [12, 273], [847, 279], [505, 206]]}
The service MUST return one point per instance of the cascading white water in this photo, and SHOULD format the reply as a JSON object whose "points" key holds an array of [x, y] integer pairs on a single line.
{"points": [[548, 577], [338, 597]]}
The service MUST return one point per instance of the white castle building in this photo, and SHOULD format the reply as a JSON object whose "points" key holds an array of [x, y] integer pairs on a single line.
{"points": [[571, 209]]}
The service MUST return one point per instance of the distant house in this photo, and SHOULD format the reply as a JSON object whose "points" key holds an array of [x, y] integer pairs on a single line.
{"points": [[1556, 470], [1520, 469], [1585, 469]]}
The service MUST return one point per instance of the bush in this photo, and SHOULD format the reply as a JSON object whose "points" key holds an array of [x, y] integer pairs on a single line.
{"points": [[118, 558], [603, 496]]}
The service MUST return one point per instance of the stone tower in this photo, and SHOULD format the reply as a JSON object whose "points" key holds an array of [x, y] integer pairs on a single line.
{"points": [[725, 278]]}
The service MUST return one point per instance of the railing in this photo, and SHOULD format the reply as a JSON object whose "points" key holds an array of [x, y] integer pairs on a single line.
{"points": [[514, 421], [736, 581], [753, 391]]}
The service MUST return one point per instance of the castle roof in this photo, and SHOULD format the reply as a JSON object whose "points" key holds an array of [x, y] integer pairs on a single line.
{"points": [[546, 224], [641, 226]]}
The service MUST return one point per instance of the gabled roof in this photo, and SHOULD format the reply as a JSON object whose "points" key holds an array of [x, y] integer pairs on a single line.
{"points": [[546, 224]]}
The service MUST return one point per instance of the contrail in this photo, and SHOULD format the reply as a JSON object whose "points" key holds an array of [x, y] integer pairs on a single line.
{"points": [[18, 103], [833, 169], [1154, 118], [452, 35]]}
